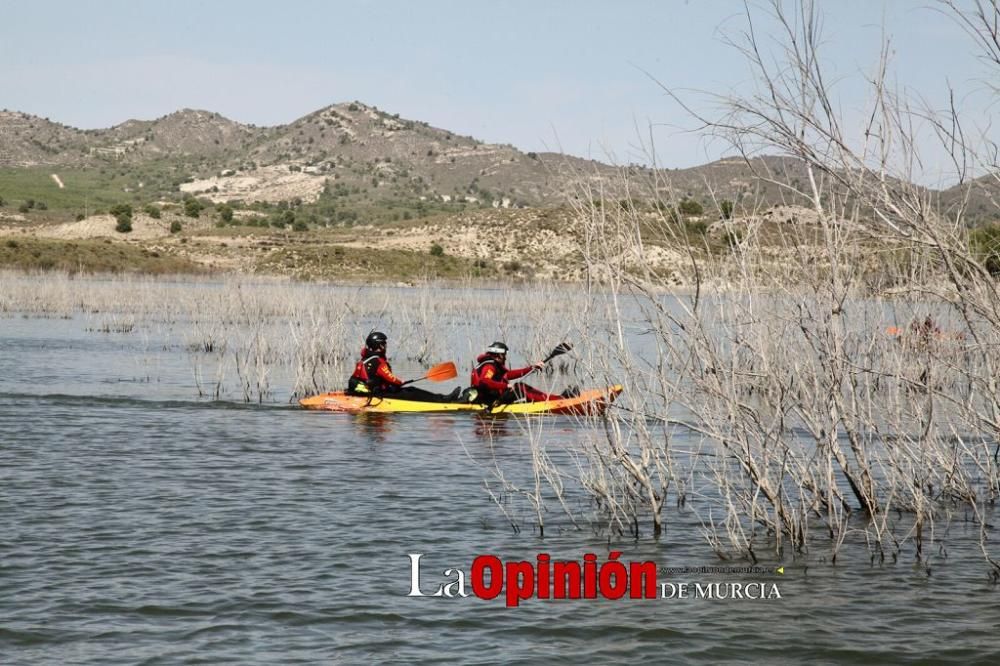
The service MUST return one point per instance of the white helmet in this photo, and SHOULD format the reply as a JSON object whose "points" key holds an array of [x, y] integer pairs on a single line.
{"points": [[497, 348]]}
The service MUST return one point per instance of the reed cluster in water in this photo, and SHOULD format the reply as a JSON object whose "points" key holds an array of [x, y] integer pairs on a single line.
{"points": [[257, 339], [845, 387]]}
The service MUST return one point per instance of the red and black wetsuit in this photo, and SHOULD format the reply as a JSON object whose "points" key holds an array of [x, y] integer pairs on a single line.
{"points": [[373, 376], [491, 379]]}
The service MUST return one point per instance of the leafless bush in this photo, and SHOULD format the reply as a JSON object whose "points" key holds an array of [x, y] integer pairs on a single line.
{"points": [[839, 367]]}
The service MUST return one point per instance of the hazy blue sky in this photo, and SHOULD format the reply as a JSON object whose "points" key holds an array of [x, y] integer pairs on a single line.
{"points": [[537, 74]]}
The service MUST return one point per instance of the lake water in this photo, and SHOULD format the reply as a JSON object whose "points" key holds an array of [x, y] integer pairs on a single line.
{"points": [[143, 524]]}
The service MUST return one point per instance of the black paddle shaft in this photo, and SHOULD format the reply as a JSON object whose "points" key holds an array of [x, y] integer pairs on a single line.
{"points": [[560, 349]]}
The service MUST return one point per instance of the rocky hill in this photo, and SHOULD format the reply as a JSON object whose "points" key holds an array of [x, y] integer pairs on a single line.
{"points": [[369, 163], [352, 143]]}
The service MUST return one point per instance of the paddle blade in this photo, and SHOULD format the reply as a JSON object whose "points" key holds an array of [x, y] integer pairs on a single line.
{"points": [[560, 349], [442, 372]]}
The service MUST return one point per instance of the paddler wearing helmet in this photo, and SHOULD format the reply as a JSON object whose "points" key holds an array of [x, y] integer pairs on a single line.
{"points": [[373, 375], [491, 378]]}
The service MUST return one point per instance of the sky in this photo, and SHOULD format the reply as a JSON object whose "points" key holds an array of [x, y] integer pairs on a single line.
{"points": [[583, 77]]}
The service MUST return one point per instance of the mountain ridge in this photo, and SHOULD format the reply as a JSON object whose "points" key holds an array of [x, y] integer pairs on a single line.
{"points": [[364, 149]]}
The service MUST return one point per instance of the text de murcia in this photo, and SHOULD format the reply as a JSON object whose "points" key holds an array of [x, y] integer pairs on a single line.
{"points": [[490, 577]]}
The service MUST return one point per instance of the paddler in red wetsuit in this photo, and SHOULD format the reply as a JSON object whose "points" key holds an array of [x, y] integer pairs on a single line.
{"points": [[373, 376], [491, 378]]}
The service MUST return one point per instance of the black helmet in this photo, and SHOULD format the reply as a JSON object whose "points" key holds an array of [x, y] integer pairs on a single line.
{"points": [[498, 348], [376, 339]]}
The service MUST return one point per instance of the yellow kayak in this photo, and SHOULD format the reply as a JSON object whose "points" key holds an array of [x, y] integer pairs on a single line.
{"points": [[593, 401]]}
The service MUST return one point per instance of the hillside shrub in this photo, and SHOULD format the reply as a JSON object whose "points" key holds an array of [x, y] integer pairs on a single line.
{"points": [[690, 207], [192, 207], [512, 266], [733, 238], [726, 208], [985, 245], [123, 214], [695, 229], [175, 227], [437, 250]]}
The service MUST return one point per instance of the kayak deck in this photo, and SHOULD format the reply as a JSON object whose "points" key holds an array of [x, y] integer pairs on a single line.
{"points": [[593, 401]]}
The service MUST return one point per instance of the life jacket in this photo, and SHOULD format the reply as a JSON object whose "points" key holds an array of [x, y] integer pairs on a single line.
{"points": [[366, 377], [487, 370]]}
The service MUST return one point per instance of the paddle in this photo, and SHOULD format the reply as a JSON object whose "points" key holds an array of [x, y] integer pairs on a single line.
{"points": [[560, 349], [441, 372]]}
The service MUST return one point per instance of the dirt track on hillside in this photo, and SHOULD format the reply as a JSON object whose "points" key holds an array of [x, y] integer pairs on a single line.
{"points": [[272, 183]]}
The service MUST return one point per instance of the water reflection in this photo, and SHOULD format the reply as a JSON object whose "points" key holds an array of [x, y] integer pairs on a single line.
{"points": [[373, 426], [383, 426], [490, 427]]}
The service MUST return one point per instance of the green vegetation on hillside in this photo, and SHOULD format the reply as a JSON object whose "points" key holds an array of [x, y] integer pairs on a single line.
{"points": [[88, 256], [335, 262], [89, 191], [85, 189]]}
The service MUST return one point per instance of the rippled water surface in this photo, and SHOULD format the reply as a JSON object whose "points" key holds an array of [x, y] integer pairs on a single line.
{"points": [[145, 525]]}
